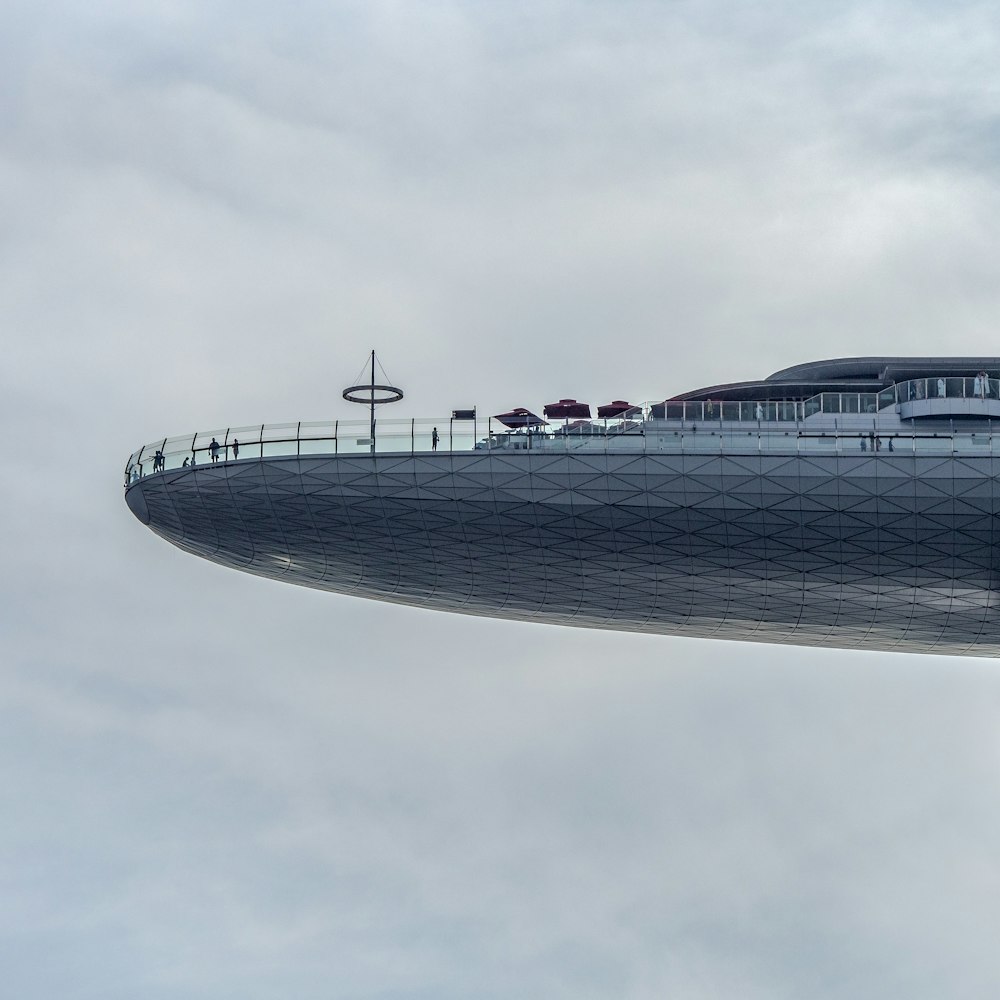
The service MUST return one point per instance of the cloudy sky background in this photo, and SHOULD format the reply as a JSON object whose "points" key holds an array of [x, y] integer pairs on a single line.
{"points": [[213, 786]]}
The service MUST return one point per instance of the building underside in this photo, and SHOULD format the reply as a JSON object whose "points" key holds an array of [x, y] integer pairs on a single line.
{"points": [[865, 550]]}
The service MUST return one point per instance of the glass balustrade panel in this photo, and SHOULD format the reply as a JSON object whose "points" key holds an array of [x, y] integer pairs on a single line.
{"points": [[275, 432]]}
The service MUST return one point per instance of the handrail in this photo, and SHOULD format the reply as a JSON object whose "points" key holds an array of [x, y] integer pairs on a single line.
{"points": [[672, 425], [690, 416], [649, 435]]}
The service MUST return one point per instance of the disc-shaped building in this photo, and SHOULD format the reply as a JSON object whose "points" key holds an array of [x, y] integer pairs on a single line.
{"points": [[848, 503]]}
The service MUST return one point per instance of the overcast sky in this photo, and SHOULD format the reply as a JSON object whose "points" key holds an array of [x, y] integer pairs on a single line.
{"points": [[219, 787]]}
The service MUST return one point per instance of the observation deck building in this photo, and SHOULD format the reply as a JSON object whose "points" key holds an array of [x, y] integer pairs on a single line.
{"points": [[849, 503]]}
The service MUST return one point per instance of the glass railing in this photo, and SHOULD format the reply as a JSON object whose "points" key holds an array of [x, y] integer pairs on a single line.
{"points": [[691, 411], [982, 386], [791, 411], [772, 410], [334, 437], [645, 434], [771, 422]]}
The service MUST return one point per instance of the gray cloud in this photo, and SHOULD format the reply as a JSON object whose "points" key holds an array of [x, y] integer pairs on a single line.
{"points": [[219, 787]]}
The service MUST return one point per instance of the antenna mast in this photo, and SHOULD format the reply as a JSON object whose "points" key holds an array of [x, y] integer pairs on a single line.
{"points": [[373, 394]]}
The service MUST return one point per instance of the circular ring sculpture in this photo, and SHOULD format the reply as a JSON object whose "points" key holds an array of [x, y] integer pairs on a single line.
{"points": [[393, 395]]}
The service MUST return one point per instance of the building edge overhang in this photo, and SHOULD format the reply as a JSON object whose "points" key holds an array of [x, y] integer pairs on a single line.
{"points": [[209, 521], [136, 500]]}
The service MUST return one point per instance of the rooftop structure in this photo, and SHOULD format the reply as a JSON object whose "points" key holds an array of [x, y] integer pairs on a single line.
{"points": [[844, 503]]}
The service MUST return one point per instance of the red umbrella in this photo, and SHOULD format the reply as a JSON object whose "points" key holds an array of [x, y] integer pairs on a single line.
{"points": [[567, 409], [617, 408], [519, 417]]}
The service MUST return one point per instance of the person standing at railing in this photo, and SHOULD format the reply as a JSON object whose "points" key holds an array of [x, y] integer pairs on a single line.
{"points": [[434, 439], [236, 449], [213, 449]]}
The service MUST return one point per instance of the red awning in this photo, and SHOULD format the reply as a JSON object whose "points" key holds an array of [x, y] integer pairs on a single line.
{"points": [[519, 417], [617, 408], [567, 409]]}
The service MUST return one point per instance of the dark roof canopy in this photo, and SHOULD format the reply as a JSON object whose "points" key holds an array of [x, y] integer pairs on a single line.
{"points": [[519, 417], [843, 375], [884, 370], [567, 409], [616, 408]]}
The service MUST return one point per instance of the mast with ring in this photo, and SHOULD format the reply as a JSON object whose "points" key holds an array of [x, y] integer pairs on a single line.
{"points": [[373, 394]]}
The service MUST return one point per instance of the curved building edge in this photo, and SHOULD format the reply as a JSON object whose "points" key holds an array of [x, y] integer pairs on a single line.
{"points": [[882, 551]]}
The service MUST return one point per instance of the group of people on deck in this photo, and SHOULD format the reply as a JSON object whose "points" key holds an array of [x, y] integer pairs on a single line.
{"points": [[214, 450]]}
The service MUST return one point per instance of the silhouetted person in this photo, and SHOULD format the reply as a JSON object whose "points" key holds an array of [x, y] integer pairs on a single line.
{"points": [[236, 448], [214, 450], [186, 462], [864, 443], [434, 439]]}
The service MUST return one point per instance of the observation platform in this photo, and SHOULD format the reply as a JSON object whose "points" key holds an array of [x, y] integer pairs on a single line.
{"points": [[826, 506], [934, 416]]}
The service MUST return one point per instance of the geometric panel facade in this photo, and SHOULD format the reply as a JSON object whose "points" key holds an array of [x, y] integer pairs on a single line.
{"points": [[873, 550]]}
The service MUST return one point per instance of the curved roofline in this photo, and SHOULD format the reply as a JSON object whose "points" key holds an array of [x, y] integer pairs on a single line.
{"points": [[843, 375], [765, 389], [874, 367]]}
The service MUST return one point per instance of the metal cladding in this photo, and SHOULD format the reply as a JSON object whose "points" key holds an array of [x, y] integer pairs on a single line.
{"points": [[873, 550]]}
